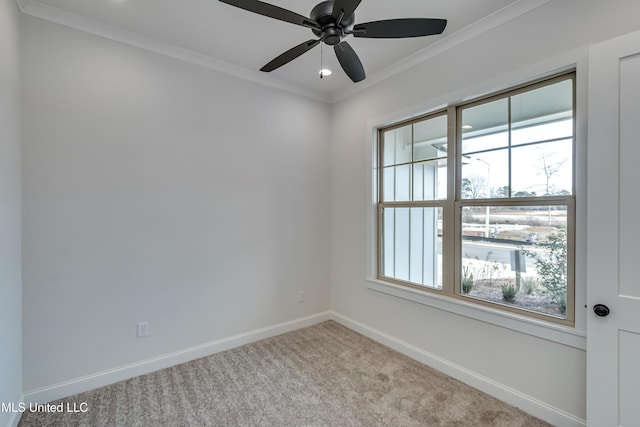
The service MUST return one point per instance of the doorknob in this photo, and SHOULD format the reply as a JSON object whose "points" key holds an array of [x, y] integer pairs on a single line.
{"points": [[601, 310]]}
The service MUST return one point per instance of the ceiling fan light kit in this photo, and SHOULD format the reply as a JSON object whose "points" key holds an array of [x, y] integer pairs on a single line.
{"points": [[333, 20]]}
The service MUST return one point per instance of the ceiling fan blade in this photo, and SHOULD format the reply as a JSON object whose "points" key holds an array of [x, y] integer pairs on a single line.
{"points": [[346, 7], [400, 28], [266, 9], [290, 55], [349, 61]]}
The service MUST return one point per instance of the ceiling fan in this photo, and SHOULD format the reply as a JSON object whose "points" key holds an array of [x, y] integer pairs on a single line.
{"points": [[333, 20]]}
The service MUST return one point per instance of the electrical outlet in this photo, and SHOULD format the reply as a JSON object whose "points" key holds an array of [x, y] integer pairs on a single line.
{"points": [[143, 329], [300, 296]]}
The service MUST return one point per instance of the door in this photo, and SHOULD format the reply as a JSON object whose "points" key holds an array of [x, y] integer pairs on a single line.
{"points": [[613, 215]]}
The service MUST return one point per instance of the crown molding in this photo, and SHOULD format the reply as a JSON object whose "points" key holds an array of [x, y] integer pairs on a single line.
{"points": [[22, 3], [487, 23], [78, 22], [91, 26]]}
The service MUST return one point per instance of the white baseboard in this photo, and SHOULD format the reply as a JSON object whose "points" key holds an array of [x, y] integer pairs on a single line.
{"points": [[14, 420], [513, 397], [100, 379], [533, 406]]}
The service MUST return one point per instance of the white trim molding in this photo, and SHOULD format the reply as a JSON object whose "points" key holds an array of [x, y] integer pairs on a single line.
{"points": [[91, 26], [529, 404], [78, 22], [15, 419], [560, 334], [506, 14], [500, 391], [110, 376], [570, 336], [22, 3]]}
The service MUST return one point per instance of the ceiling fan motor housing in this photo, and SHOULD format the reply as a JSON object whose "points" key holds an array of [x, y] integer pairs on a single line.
{"points": [[332, 31]]}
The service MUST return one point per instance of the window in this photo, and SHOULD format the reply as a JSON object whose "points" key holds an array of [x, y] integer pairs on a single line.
{"points": [[477, 202], [414, 182]]}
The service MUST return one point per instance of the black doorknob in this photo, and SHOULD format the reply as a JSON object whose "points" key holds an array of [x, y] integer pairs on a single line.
{"points": [[601, 310]]}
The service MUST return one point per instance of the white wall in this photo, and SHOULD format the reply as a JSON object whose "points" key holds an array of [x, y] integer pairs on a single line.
{"points": [[552, 36], [156, 190], [161, 191], [10, 252]]}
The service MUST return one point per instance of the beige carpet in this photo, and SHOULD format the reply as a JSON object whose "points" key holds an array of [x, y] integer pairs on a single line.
{"points": [[324, 375]]}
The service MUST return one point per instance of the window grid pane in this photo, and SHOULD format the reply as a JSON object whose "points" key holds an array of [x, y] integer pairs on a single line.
{"points": [[414, 161], [516, 255], [504, 143], [511, 207], [543, 169], [412, 245], [485, 175], [430, 180], [397, 146], [397, 183]]}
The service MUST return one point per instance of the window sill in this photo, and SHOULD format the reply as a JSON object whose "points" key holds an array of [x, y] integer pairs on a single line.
{"points": [[550, 331]]}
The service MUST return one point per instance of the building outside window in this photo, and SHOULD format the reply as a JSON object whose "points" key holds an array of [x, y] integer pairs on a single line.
{"points": [[477, 201]]}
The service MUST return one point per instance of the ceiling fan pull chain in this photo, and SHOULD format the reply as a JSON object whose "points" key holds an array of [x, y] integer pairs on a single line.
{"points": [[321, 67], [331, 21]]}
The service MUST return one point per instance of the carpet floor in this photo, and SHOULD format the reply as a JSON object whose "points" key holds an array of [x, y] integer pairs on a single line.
{"points": [[323, 375]]}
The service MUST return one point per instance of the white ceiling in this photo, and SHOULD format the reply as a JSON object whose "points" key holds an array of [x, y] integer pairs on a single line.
{"points": [[232, 40]]}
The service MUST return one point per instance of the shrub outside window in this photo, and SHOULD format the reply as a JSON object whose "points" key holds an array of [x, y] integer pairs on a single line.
{"points": [[477, 202]]}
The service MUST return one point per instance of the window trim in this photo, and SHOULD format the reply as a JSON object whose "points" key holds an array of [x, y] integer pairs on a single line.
{"points": [[535, 327], [451, 247]]}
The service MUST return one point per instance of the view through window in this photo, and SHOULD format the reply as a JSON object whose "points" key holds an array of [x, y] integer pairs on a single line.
{"points": [[504, 182]]}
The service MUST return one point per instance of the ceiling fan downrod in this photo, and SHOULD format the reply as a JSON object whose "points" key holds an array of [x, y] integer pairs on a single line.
{"points": [[332, 30]]}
